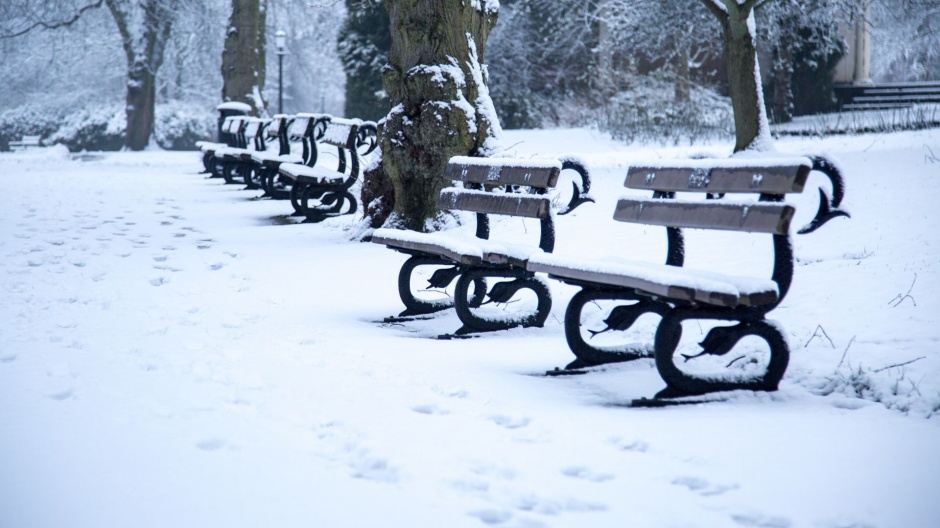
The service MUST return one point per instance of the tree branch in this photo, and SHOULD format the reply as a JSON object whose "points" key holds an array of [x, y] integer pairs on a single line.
{"points": [[716, 9], [54, 25]]}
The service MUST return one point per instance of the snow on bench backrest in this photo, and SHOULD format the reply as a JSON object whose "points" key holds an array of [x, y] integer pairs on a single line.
{"points": [[276, 127], [341, 133], [504, 171], [745, 175], [253, 126]]}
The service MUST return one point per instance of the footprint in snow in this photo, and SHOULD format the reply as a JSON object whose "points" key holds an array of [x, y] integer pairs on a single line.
{"points": [[8, 358], [581, 472], [211, 444], [509, 422], [492, 516], [159, 281], [160, 258], [217, 266], [429, 409], [62, 395], [757, 520], [638, 446], [703, 487]]}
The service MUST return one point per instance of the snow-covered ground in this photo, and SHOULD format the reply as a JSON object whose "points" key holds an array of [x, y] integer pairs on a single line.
{"points": [[173, 353]]}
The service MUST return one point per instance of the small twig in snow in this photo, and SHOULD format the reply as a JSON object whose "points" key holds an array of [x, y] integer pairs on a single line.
{"points": [[931, 157], [900, 364], [733, 360], [819, 328], [846, 352], [900, 298]]}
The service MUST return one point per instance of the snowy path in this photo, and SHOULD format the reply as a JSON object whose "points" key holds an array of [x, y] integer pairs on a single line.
{"points": [[172, 355]]}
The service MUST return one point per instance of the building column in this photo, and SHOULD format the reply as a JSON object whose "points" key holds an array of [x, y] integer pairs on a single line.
{"points": [[862, 75]]}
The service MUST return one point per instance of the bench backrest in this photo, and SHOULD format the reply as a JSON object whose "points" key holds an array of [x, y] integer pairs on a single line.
{"points": [[482, 174], [341, 133], [306, 129], [254, 132], [769, 178], [277, 129]]}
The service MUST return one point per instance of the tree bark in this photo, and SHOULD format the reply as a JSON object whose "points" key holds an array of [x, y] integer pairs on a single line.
{"points": [[751, 129], [243, 58], [440, 103], [145, 29]]}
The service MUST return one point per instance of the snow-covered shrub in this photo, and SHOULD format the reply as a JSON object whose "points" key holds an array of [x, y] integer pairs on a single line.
{"points": [[27, 120], [892, 387], [92, 128], [179, 125], [648, 112]]}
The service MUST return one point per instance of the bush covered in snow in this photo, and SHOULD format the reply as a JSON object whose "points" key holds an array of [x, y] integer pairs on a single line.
{"points": [[91, 128], [101, 127], [179, 125], [28, 120], [648, 112]]}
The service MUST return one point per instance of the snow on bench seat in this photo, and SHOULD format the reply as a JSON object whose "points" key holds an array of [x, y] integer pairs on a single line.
{"points": [[670, 282], [266, 157], [311, 175], [467, 251]]}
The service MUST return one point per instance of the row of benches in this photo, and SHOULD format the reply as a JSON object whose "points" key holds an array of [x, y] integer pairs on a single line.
{"points": [[280, 155], [490, 271], [485, 271]]}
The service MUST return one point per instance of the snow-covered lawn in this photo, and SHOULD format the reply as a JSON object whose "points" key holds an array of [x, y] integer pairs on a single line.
{"points": [[172, 354]]}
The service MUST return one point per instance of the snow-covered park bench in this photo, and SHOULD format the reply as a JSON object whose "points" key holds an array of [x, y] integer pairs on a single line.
{"points": [[678, 294], [230, 131], [264, 163], [237, 164], [318, 192], [502, 186], [296, 144], [26, 142]]}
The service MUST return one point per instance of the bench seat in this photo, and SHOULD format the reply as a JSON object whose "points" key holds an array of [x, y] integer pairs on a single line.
{"points": [[270, 157], [311, 175], [660, 280], [209, 146], [466, 251]]}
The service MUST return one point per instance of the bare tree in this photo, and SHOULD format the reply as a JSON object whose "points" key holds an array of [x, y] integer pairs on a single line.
{"points": [[144, 26]]}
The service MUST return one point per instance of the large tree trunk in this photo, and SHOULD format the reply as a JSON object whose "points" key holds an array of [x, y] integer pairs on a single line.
{"points": [[145, 29], [141, 99], [440, 103], [243, 58], [740, 50]]}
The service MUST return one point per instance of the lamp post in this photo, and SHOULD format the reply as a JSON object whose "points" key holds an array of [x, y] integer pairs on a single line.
{"points": [[280, 41]]}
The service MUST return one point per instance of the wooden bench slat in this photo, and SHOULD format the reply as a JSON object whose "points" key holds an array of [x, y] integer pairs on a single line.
{"points": [[512, 204], [504, 171], [760, 217], [455, 249], [341, 133], [661, 280], [747, 176]]}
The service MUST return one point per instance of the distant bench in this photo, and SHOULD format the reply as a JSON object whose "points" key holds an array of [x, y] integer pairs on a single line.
{"points": [[501, 186], [677, 294], [318, 192], [26, 142]]}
